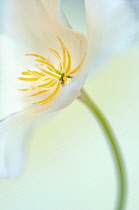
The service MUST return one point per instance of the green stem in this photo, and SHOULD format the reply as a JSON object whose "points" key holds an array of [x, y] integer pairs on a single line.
{"points": [[113, 145]]}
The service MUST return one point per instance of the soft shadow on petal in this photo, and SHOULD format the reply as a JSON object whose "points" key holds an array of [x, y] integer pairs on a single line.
{"points": [[35, 23], [112, 27], [38, 26], [135, 6]]}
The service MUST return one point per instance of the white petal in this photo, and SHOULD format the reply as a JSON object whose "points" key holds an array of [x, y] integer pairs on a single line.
{"points": [[13, 138], [11, 64], [37, 28], [135, 5], [112, 26], [37, 24]]}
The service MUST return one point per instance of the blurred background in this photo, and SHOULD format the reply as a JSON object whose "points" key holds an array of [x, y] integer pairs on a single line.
{"points": [[69, 165]]}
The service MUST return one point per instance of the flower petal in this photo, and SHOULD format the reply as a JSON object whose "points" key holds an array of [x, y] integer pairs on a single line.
{"points": [[135, 5], [112, 26], [37, 27], [10, 99], [13, 137]]}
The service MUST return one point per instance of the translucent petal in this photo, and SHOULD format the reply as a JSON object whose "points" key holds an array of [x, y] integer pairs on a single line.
{"points": [[112, 28], [38, 26], [13, 141], [135, 6], [36, 29]]}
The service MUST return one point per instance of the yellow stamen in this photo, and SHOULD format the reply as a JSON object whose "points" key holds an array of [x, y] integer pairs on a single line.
{"points": [[78, 67], [28, 79], [64, 53], [36, 73], [53, 75], [47, 85], [69, 64], [58, 57], [36, 55], [48, 64], [38, 93], [34, 85], [50, 84], [50, 97], [25, 73], [56, 53], [23, 89], [50, 78]]}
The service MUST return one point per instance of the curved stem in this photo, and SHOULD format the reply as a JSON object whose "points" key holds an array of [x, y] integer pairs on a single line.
{"points": [[112, 142]]}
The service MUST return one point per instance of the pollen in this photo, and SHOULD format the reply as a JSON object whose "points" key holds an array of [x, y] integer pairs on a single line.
{"points": [[48, 79]]}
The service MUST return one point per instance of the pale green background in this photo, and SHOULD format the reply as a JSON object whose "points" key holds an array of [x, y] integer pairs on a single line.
{"points": [[69, 165]]}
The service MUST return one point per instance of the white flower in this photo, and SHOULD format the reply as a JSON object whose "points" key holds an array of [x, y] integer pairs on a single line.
{"points": [[63, 57]]}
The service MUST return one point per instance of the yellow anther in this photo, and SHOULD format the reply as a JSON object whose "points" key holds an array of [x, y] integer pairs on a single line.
{"points": [[65, 79]]}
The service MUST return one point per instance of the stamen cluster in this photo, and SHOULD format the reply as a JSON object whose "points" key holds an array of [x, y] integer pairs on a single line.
{"points": [[48, 80]]}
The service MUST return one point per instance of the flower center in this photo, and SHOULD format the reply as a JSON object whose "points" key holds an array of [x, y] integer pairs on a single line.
{"points": [[47, 80]]}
